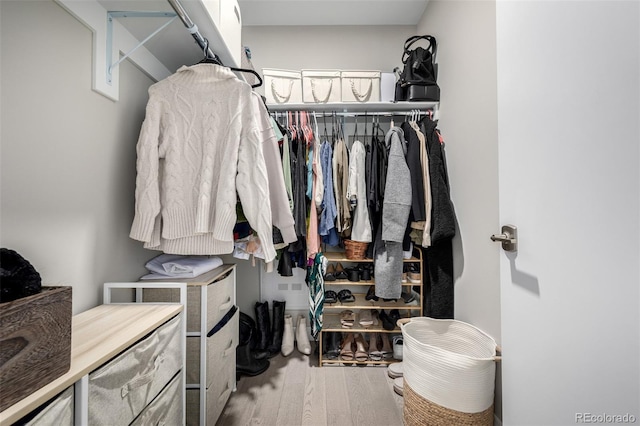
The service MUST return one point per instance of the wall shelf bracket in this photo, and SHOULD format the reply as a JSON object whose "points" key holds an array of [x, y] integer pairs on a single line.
{"points": [[111, 15]]}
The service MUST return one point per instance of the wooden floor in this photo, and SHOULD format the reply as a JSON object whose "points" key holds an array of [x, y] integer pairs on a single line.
{"points": [[294, 391]]}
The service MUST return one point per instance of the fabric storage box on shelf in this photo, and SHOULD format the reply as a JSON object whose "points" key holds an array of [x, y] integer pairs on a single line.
{"points": [[321, 86], [449, 372], [360, 86], [282, 86], [35, 342]]}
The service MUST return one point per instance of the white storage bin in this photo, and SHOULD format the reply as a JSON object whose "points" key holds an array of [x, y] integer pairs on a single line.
{"points": [[321, 86], [58, 412], [387, 87], [360, 86], [282, 86], [122, 388], [166, 409]]}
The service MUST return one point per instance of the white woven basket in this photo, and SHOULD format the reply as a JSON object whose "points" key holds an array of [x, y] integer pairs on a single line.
{"points": [[449, 362]]}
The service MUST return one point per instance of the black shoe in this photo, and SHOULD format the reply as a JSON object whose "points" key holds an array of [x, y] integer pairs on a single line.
{"points": [[387, 322], [371, 294], [331, 344], [247, 364], [263, 322], [394, 314], [277, 328]]}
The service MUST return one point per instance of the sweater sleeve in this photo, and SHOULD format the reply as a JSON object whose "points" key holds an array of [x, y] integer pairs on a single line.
{"points": [[147, 194], [280, 211], [252, 183]]}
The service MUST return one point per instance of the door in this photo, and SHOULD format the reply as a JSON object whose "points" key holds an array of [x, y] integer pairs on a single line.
{"points": [[568, 112]]}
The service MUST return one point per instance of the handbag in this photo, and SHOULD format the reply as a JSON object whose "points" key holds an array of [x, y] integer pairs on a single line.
{"points": [[417, 80]]}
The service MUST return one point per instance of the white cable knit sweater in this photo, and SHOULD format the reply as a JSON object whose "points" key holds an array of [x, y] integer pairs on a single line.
{"points": [[199, 146]]}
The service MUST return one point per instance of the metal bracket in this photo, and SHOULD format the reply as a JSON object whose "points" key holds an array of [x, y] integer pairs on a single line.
{"points": [[117, 14]]}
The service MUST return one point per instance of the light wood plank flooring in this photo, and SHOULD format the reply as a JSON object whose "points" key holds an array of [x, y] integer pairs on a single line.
{"points": [[294, 391]]}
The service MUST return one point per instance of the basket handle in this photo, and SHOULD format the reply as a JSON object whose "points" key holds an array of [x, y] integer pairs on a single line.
{"points": [[496, 358]]}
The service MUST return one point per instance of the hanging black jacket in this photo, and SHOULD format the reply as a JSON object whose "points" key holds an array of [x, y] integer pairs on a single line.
{"points": [[415, 168], [443, 220]]}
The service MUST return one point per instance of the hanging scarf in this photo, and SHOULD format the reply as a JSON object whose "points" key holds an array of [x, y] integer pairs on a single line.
{"points": [[315, 282]]}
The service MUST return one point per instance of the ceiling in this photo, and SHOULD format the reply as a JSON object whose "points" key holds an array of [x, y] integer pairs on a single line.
{"points": [[175, 47], [331, 12]]}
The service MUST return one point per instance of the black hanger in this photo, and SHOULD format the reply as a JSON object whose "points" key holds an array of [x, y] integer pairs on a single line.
{"points": [[212, 58]]}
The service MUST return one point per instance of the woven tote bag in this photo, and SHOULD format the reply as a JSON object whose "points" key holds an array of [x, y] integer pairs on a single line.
{"points": [[449, 372]]}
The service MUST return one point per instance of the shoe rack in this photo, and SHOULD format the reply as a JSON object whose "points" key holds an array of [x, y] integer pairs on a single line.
{"points": [[332, 311]]}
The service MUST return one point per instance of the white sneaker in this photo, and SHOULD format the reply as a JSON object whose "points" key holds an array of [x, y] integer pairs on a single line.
{"points": [[395, 370], [302, 338], [397, 347], [398, 385]]}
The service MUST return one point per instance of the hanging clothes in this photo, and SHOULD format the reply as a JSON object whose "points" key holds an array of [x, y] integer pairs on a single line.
{"points": [[415, 167], [438, 297], [357, 194], [280, 212], [315, 282], [395, 217], [340, 162], [328, 215], [198, 150]]}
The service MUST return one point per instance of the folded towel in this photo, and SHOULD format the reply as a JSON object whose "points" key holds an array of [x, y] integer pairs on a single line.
{"points": [[178, 266]]}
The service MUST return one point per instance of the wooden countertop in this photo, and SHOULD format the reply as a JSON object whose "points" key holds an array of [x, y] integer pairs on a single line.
{"points": [[97, 335]]}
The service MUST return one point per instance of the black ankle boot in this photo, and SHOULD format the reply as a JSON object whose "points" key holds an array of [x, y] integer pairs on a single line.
{"points": [[277, 328], [263, 325]]}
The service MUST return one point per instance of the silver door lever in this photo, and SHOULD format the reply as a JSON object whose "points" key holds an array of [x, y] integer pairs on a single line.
{"points": [[508, 238]]}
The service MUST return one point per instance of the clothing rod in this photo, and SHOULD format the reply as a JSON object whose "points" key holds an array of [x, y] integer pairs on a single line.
{"points": [[192, 28], [353, 114]]}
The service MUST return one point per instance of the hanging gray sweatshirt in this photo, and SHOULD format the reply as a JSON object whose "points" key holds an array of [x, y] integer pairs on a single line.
{"points": [[395, 217]]}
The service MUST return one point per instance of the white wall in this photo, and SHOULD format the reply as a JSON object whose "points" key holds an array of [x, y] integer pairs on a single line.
{"points": [[68, 154], [466, 36]]}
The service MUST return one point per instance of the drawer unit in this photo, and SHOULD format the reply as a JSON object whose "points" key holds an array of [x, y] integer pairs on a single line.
{"points": [[210, 369], [166, 409], [220, 347], [122, 388]]}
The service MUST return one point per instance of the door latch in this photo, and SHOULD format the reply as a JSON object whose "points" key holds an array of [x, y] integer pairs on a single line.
{"points": [[508, 238]]}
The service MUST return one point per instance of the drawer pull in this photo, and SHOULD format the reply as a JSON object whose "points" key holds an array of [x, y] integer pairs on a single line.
{"points": [[226, 305], [143, 379], [222, 277], [229, 349]]}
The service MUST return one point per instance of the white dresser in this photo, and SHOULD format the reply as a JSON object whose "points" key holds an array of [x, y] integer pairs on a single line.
{"points": [[127, 365], [212, 338]]}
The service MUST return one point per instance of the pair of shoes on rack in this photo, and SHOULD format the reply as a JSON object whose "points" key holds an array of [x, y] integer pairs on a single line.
{"points": [[354, 348], [360, 272], [379, 346], [335, 272], [298, 338]]}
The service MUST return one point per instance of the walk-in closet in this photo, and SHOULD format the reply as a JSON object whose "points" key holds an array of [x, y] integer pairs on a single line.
{"points": [[301, 212]]}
